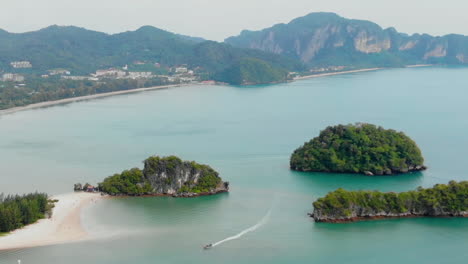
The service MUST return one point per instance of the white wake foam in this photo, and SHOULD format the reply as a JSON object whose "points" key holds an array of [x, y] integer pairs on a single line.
{"points": [[260, 223]]}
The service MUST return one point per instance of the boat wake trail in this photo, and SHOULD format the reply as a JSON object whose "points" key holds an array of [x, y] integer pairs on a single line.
{"points": [[260, 223]]}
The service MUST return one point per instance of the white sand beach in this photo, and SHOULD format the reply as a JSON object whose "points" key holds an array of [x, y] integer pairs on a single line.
{"points": [[63, 227], [84, 98], [419, 65], [101, 95], [335, 73]]}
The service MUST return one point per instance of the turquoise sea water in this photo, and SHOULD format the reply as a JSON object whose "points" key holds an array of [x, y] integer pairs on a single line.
{"points": [[247, 134]]}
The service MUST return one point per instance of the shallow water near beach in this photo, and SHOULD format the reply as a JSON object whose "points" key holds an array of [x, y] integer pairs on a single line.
{"points": [[247, 134]]}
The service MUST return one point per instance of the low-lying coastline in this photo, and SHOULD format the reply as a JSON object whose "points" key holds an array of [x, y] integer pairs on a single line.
{"points": [[86, 97], [63, 227], [419, 65], [101, 95], [335, 73]]}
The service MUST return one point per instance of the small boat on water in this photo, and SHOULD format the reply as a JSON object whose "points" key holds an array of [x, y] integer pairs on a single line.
{"points": [[208, 246]]}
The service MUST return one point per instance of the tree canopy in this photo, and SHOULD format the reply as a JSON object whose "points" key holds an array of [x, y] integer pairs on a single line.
{"points": [[17, 211], [360, 148], [162, 173], [442, 199]]}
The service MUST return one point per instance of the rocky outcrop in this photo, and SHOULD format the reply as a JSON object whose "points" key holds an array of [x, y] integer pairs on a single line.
{"points": [[442, 200], [165, 176], [269, 44], [172, 176], [462, 58], [408, 45], [361, 214], [395, 170], [324, 39], [436, 52], [367, 43]]}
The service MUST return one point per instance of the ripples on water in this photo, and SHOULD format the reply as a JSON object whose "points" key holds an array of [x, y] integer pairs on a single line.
{"points": [[247, 134]]}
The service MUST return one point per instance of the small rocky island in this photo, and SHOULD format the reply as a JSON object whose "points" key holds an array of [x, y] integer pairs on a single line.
{"points": [[166, 176], [442, 200], [359, 148]]}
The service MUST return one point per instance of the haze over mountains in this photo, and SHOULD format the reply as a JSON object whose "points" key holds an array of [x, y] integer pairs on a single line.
{"points": [[83, 51], [328, 39], [318, 39]]}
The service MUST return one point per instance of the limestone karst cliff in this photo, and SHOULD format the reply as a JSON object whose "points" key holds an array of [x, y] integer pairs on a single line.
{"points": [[173, 176], [166, 176], [323, 39]]}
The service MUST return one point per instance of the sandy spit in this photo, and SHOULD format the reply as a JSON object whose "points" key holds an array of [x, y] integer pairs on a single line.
{"points": [[63, 227], [335, 73]]}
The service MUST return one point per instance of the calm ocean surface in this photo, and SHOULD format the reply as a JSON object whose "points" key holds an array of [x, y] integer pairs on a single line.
{"points": [[247, 134]]}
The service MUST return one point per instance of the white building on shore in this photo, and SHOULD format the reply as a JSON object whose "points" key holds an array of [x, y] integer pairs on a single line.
{"points": [[12, 77], [112, 73], [21, 64], [181, 70], [139, 75], [59, 72]]}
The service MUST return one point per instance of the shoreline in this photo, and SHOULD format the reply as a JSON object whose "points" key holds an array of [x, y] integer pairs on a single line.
{"points": [[187, 195], [335, 73], [102, 95], [382, 217], [419, 65], [86, 97], [367, 173], [64, 226]]}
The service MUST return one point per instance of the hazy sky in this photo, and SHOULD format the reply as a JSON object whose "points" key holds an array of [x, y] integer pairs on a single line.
{"points": [[218, 19]]}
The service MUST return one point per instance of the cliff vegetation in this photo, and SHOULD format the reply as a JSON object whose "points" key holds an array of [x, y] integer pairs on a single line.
{"points": [[165, 176], [253, 71], [360, 148], [441, 200]]}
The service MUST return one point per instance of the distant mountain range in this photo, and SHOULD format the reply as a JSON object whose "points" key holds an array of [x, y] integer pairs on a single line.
{"points": [[323, 39], [315, 40], [84, 51]]}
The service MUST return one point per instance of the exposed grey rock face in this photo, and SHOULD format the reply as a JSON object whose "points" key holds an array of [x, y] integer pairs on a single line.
{"points": [[320, 39], [358, 213], [172, 176]]}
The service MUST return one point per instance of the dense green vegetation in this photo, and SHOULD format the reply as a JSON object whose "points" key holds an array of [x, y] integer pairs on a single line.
{"points": [[39, 90], [129, 182], [442, 199], [252, 71], [360, 148], [161, 174], [83, 51], [17, 211]]}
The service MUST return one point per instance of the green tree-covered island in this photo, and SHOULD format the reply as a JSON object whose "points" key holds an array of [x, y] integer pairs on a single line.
{"points": [[166, 176], [442, 200], [359, 148]]}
